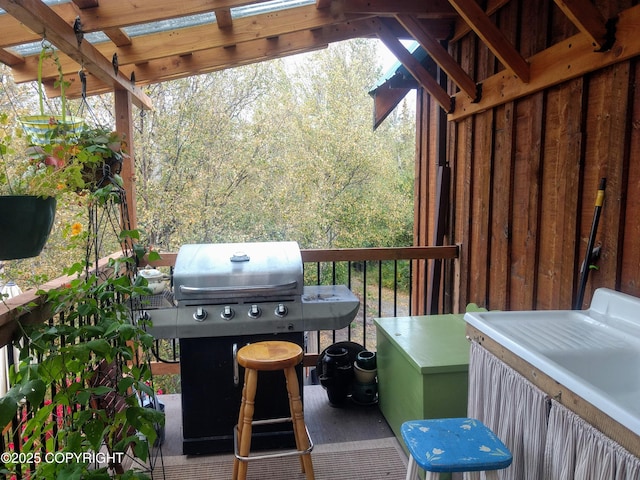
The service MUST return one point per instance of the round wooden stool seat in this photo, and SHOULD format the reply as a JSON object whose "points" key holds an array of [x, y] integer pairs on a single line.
{"points": [[270, 355]]}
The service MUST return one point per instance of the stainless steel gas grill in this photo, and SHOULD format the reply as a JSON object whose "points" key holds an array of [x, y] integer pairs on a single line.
{"points": [[228, 295]]}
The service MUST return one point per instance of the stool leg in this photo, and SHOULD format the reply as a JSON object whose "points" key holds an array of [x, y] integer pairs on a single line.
{"points": [[297, 416], [245, 418], [236, 462], [491, 474], [412, 469]]}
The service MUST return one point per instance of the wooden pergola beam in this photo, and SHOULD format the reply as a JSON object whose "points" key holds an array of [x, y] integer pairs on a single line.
{"points": [[10, 58], [187, 41], [43, 20], [587, 18], [412, 65], [439, 54], [489, 33], [223, 17], [435, 9], [219, 58], [113, 14]]}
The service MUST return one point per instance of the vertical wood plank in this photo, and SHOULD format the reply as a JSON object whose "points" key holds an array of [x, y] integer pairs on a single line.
{"points": [[560, 195], [464, 192], [482, 165], [501, 209], [605, 157], [502, 182], [529, 113], [527, 164], [630, 265]]}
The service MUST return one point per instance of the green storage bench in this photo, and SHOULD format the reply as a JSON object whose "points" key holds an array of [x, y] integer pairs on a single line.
{"points": [[423, 368]]}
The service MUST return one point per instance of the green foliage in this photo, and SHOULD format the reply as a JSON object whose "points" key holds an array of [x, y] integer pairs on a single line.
{"points": [[66, 406], [276, 151]]}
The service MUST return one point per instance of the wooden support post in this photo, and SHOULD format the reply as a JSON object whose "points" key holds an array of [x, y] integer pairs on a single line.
{"points": [[124, 124]]}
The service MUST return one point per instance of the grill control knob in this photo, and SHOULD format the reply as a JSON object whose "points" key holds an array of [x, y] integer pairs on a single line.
{"points": [[200, 314], [254, 311], [281, 310], [227, 313]]}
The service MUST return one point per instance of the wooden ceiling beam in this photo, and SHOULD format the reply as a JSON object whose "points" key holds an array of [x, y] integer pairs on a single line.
{"points": [[33, 14], [118, 36], [412, 65], [219, 58], [436, 9], [439, 55], [86, 3], [223, 17], [202, 37], [497, 42], [9, 58], [462, 28], [123, 13], [114, 14], [587, 18]]}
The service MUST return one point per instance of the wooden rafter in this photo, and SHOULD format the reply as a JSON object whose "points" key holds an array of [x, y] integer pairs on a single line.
{"points": [[219, 58], [439, 54], [86, 3], [10, 58], [412, 65], [482, 25], [223, 17], [437, 9], [187, 41], [118, 36], [586, 16], [114, 14], [33, 14]]}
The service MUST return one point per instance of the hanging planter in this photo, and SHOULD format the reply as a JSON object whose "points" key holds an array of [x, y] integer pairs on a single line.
{"points": [[26, 223], [44, 129]]}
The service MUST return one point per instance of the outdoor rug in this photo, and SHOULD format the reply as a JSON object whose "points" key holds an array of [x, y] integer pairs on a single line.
{"points": [[367, 460]]}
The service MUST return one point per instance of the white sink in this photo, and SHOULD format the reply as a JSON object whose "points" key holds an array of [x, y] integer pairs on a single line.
{"points": [[595, 353]]}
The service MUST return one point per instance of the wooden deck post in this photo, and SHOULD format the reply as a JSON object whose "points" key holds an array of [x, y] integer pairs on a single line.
{"points": [[124, 124]]}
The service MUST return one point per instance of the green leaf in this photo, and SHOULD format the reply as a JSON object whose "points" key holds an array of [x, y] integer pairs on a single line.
{"points": [[153, 256], [125, 384], [8, 409], [83, 397], [100, 346], [94, 430], [101, 390], [34, 390]]}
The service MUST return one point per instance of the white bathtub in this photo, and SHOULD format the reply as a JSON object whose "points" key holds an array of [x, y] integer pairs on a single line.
{"points": [[595, 353]]}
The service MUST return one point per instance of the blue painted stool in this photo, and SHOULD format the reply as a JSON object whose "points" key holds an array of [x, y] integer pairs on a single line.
{"points": [[453, 445]]}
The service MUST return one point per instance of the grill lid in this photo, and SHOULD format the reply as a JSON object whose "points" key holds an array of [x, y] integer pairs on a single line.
{"points": [[228, 270]]}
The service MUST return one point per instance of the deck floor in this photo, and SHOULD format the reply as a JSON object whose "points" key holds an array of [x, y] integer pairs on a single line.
{"points": [[352, 441]]}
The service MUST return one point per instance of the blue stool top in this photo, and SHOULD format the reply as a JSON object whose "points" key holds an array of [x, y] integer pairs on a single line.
{"points": [[454, 445]]}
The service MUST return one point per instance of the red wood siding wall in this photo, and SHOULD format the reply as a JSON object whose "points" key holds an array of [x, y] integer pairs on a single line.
{"points": [[525, 175]]}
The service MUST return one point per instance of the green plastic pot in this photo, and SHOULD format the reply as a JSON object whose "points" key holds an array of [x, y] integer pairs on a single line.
{"points": [[25, 224]]}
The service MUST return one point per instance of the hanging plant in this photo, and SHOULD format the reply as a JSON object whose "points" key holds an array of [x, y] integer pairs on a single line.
{"points": [[43, 129], [83, 378]]}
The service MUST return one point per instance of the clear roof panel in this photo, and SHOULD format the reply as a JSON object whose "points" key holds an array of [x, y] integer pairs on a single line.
{"points": [[175, 23]]}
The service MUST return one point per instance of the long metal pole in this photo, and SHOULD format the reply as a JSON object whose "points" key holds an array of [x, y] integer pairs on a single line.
{"points": [[584, 270]]}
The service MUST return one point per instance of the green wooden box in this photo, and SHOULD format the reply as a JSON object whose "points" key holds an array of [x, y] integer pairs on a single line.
{"points": [[423, 366]]}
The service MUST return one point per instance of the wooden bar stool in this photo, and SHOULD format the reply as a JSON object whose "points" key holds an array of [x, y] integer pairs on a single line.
{"points": [[269, 356], [453, 445]]}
